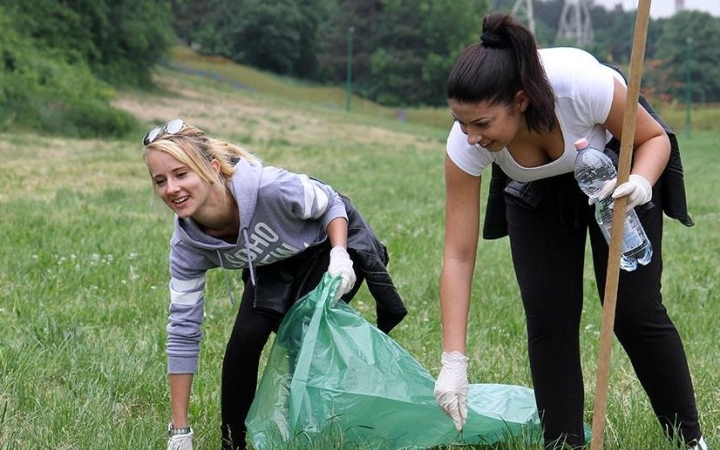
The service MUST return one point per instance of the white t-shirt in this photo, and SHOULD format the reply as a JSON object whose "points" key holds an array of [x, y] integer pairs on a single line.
{"points": [[583, 90]]}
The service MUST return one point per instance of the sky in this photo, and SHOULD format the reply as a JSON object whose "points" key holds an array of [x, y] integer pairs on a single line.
{"points": [[664, 8]]}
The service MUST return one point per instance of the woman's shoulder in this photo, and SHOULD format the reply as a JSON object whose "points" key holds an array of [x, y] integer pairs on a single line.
{"points": [[572, 71], [562, 63], [567, 59]]}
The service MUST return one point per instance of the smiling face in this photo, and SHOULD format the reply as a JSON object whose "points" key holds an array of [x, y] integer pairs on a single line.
{"points": [[491, 126], [182, 189]]}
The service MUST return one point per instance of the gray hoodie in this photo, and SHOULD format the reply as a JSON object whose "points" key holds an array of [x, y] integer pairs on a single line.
{"points": [[281, 214]]}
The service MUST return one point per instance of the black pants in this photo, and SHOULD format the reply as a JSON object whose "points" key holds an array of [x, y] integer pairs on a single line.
{"points": [[247, 340], [548, 249]]}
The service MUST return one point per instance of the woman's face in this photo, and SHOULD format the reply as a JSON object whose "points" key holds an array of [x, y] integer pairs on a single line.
{"points": [[492, 126], [181, 189]]}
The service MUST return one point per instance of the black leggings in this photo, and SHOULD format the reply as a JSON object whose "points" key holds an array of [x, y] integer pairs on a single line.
{"points": [[548, 249], [242, 355]]}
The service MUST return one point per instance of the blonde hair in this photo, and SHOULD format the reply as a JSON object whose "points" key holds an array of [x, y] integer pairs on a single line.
{"points": [[193, 148]]}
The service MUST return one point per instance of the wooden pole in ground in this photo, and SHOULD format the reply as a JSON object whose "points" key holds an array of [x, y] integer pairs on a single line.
{"points": [[613, 268]]}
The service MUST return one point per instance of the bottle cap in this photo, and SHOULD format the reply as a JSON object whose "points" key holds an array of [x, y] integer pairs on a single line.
{"points": [[582, 144]]}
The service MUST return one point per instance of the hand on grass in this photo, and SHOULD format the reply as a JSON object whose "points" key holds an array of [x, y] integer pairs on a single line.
{"points": [[451, 387]]}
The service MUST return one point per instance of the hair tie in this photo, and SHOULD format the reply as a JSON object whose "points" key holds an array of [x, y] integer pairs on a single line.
{"points": [[492, 40]]}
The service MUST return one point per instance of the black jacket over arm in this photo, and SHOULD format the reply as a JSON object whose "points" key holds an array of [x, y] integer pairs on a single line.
{"points": [[279, 285]]}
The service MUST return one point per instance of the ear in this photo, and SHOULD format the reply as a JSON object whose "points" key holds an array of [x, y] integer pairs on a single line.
{"points": [[215, 164], [521, 100]]}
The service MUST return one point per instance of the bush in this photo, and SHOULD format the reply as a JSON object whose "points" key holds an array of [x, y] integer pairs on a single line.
{"points": [[47, 90]]}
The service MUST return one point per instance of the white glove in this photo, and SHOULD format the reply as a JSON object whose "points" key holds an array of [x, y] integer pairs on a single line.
{"points": [[342, 265], [451, 387], [181, 441], [637, 188]]}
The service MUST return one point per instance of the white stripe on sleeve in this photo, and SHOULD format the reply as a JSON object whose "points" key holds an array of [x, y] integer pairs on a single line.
{"points": [[186, 292], [312, 194]]}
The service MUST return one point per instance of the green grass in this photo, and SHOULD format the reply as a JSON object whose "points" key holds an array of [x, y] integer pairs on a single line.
{"points": [[83, 301]]}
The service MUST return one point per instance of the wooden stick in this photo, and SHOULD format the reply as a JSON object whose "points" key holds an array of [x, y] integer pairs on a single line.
{"points": [[613, 267]]}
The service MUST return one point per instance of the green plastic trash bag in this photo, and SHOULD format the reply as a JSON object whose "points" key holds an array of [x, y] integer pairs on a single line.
{"points": [[334, 377]]}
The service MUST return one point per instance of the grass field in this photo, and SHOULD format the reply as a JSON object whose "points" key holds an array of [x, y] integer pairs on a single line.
{"points": [[83, 297]]}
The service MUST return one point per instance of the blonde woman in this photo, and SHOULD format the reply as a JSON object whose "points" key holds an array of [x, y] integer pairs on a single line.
{"points": [[284, 230]]}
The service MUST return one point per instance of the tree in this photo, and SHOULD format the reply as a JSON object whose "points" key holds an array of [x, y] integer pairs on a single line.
{"points": [[188, 17], [690, 40], [280, 37], [415, 46], [131, 37], [361, 16]]}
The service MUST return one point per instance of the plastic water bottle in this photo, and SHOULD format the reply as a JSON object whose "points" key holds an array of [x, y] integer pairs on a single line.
{"points": [[592, 169]]}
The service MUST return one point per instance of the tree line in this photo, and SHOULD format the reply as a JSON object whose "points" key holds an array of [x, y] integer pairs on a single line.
{"points": [[62, 60], [402, 50]]}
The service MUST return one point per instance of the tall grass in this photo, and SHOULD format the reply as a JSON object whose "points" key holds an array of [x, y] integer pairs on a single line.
{"points": [[83, 285]]}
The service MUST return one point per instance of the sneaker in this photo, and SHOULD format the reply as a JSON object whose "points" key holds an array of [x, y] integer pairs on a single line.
{"points": [[701, 445]]}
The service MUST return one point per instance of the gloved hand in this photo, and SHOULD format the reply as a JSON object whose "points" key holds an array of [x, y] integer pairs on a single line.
{"points": [[451, 387], [637, 188], [342, 265], [181, 441]]}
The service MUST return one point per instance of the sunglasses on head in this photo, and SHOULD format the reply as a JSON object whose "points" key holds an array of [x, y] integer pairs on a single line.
{"points": [[171, 127]]}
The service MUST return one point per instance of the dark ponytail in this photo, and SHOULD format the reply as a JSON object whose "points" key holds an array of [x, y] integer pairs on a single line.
{"points": [[504, 62]]}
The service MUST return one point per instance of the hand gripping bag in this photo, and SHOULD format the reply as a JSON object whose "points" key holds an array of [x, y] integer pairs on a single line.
{"points": [[333, 380]]}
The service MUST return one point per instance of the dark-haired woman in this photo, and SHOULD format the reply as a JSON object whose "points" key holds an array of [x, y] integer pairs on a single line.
{"points": [[520, 110]]}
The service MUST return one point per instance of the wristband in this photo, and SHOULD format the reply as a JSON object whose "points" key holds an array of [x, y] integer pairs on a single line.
{"points": [[172, 431]]}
